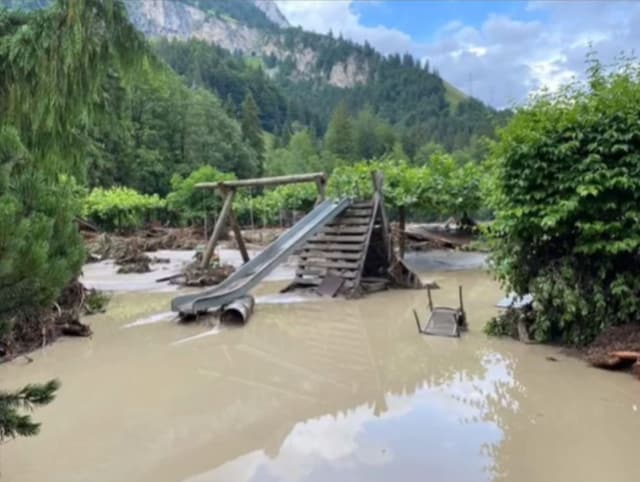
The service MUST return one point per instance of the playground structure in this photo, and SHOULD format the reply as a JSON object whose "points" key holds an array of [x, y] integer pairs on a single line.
{"points": [[344, 247]]}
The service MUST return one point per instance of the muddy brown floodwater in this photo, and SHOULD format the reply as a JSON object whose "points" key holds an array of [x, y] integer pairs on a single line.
{"points": [[321, 391]]}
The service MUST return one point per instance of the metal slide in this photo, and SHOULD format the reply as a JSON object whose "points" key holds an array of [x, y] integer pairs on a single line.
{"points": [[251, 273]]}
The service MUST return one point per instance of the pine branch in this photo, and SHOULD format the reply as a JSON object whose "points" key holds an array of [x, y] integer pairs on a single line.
{"points": [[12, 423]]}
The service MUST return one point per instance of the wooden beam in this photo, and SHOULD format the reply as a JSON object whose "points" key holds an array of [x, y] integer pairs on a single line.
{"points": [[367, 241], [321, 184], [217, 231], [238, 235], [378, 180], [265, 181], [402, 227]]}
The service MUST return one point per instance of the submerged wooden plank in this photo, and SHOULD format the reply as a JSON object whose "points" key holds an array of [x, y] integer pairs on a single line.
{"points": [[329, 264], [316, 280], [330, 285], [326, 271]]}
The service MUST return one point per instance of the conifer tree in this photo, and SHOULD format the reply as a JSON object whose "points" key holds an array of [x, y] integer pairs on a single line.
{"points": [[251, 130], [52, 64], [339, 139]]}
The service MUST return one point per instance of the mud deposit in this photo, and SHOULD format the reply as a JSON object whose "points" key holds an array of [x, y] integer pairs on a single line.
{"points": [[321, 391]]}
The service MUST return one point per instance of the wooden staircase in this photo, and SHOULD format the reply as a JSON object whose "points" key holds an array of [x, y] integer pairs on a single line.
{"points": [[340, 249]]}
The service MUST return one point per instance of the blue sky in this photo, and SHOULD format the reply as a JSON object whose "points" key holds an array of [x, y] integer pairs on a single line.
{"points": [[500, 51], [422, 19]]}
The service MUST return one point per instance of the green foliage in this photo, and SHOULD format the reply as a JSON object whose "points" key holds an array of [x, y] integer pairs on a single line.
{"points": [[13, 421], [301, 155], [40, 248], [155, 126], [231, 78], [191, 205], [566, 198], [339, 139], [506, 324], [251, 130], [52, 63], [268, 208], [96, 302], [439, 188], [121, 208], [455, 190], [373, 138]]}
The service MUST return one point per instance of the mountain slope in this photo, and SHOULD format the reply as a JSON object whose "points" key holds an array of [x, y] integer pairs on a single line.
{"points": [[305, 71]]}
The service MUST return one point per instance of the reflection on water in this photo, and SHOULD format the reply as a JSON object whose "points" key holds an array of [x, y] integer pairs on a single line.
{"points": [[417, 432], [318, 391]]}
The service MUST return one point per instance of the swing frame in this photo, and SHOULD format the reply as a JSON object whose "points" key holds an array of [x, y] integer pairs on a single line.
{"points": [[227, 190]]}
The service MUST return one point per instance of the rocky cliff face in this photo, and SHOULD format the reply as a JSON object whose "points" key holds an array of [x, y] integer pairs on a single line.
{"points": [[176, 20], [272, 12]]}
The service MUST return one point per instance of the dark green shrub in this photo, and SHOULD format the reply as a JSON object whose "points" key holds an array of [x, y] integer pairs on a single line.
{"points": [[567, 203]]}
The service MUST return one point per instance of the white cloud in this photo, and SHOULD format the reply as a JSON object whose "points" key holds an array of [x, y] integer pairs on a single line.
{"points": [[337, 16], [504, 59]]}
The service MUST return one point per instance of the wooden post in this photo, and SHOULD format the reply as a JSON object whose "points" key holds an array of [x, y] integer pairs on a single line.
{"points": [[238, 235], [402, 227], [217, 231], [378, 180], [321, 184]]}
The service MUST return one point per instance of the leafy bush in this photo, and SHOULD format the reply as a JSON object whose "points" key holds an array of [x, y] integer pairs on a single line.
{"points": [[567, 204], [404, 185], [121, 208], [440, 187], [268, 207], [189, 204]]}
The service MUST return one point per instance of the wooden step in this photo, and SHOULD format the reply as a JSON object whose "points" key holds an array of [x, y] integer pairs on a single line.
{"points": [[319, 245], [329, 238], [329, 264], [362, 205], [315, 281], [330, 254], [345, 230], [351, 221], [325, 271], [357, 213]]}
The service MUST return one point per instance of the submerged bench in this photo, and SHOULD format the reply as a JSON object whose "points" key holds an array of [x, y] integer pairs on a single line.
{"points": [[443, 321]]}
